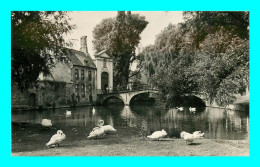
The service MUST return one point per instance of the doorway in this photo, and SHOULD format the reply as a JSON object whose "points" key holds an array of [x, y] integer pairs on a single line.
{"points": [[104, 82]]}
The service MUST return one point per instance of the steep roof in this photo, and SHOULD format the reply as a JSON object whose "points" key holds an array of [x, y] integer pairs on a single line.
{"points": [[78, 57], [60, 73]]}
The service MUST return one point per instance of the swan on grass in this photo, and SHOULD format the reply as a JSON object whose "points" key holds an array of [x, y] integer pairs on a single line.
{"points": [[189, 138], [107, 128], [96, 132], [179, 108], [46, 122], [157, 135], [56, 139], [198, 135]]}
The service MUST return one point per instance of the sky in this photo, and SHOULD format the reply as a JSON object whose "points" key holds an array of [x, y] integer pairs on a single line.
{"points": [[85, 22]]}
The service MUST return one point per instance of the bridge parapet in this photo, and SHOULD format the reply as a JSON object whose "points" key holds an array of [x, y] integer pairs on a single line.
{"points": [[125, 89], [124, 95]]}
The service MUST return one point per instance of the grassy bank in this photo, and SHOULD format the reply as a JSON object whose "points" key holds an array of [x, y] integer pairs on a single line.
{"points": [[30, 141]]}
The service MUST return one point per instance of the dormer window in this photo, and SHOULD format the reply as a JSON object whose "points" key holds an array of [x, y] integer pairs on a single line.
{"points": [[86, 62]]}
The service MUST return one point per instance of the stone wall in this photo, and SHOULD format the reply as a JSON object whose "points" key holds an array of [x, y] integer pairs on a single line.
{"points": [[23, 100], [55, 94], [48, 94]]}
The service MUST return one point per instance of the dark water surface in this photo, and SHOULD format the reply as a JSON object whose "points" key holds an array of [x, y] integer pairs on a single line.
{"points": [[214, 122]]}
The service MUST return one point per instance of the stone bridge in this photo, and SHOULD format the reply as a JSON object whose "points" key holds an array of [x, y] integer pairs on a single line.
{"points": [[124, 96], [127, 94]]}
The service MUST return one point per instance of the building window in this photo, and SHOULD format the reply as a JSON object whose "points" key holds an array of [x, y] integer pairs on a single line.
{"points": [[89, 75], [83, 90], [90, 89], [105, 63], [76, 73], [77, 87], [82, 74]]}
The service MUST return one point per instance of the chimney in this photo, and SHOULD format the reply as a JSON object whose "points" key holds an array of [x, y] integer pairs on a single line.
{"points": [[83, 43]]}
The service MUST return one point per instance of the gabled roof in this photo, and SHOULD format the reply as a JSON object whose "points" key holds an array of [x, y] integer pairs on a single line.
{"points": [[103, 54], [78, 57], [61, 72]]}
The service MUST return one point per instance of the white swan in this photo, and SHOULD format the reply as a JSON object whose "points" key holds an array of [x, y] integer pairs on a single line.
{"points": [[68, 113], [182, 134], [179, 108], [56, 139], [189, 138], [198, 135], [192, 109], [107, 128], [46, 122], [158, 134], [96, 132]]}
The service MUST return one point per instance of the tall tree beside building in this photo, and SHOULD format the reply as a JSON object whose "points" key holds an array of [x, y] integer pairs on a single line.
{"points": [[120, 36], [35, 38]]}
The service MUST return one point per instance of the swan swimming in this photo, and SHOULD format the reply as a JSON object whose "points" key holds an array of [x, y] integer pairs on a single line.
{"points": [[179, 108], [56, 139], [107, 128], [46, 122], [158, 134], [192, 109], [68, 113]]}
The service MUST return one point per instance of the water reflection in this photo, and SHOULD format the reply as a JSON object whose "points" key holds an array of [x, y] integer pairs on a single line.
{"points": [[215, 123]]}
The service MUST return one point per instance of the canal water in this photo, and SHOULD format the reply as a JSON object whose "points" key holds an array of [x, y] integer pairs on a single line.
{"points": [[214, 122]]}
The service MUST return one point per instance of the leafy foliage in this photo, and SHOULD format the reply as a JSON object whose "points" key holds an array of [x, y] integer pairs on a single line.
{"points": [[207, 53], [223, 73], [120, 37], [36, 36], [168, 63]]}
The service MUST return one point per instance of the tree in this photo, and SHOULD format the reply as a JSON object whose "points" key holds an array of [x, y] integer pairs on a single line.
{"points": [[224, 69], [120, 37], [208, 53], [36, 37], [169, 64], [222, 53], [203, 23]]}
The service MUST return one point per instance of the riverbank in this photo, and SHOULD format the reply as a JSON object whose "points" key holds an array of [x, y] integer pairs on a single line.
{"points": [[31, 142]]}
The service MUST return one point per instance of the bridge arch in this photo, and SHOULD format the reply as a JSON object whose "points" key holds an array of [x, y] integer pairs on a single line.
{"points": [[195, 100], [133, 94], [131, 97], [126, 97], [107, 98]]}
